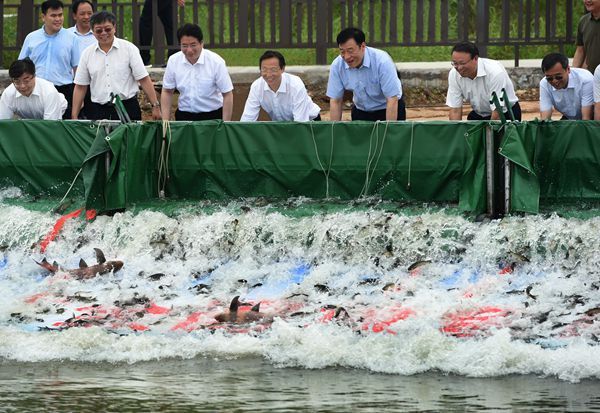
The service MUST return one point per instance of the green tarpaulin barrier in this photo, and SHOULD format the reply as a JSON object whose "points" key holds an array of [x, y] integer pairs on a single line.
{"points": [[436, 161], [43, 157], [554, 162]]}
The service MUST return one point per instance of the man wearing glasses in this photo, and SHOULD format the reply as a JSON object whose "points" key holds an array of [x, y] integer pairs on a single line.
{"points": [[200, 76], [473, 79], [28, 97], [112, 67], [370, 74], [54, 50], [281, 95], [569, 90]]}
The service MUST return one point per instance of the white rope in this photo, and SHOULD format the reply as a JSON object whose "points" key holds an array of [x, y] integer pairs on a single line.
{"points": [[370, 171], [412, 135], [369, 159], [80, 169], [326, 173], [163, 159]]}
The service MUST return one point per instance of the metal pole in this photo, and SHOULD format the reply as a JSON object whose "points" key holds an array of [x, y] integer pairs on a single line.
{"points": [[490, 153], [507, 179]]}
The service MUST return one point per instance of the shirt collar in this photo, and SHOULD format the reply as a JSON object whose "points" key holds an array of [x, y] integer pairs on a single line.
{"points": [[50, 35], [36, 91], [480, 68], [115, 45], [90, 33], [366, 60], [282, 87]]}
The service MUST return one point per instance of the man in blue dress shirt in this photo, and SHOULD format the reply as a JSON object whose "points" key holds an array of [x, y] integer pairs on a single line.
{"points": [[372, 77], [54, 50]]}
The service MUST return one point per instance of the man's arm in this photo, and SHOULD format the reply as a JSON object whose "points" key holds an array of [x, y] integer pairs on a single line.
{"points": [[252, 106], [455, 113], [335, 109], [597, 110], [148, 88], [391, 108], [227, 105], [587, 112], [166, 100], [578, 57], [546, 114], [78, 94]]}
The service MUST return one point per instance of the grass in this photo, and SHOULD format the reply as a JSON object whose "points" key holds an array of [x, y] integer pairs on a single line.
{"points": [[303, 56]]}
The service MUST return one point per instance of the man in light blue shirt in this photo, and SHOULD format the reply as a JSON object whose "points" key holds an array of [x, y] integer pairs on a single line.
{"points": [[569, 90], [54, 51], [372, 77], [82, 11]]}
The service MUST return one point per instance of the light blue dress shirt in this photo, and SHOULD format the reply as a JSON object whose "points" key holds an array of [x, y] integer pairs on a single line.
{"points": [[374, 81], [569, 101], [85, 40], [54, 56]]}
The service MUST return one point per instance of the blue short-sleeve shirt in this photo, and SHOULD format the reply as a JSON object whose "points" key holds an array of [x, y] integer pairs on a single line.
{"points": [[372, 83], [54, 55]]}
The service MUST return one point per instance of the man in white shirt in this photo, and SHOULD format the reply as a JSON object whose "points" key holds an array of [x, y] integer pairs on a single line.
{"points": [[473, 79], [200, 76], [29, 97], [282, 95], [569, 90], [113, 66]]}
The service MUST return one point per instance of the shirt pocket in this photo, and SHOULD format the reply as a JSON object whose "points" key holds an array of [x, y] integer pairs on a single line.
{"points": [[373, 88]]}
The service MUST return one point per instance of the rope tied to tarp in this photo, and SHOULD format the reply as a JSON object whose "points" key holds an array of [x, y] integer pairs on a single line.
{"points": [[163, 159], [371, 156], [410, 152], [326, 173]]}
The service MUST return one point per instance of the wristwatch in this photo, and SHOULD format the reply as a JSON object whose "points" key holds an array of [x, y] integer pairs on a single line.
{"points": [[156, 104]]}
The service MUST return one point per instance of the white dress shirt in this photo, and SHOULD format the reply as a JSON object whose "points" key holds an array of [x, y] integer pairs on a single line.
{"points": [[201, 85], [45, 102], [491, 77], [569, 101], [290, 102], [117, 71]]}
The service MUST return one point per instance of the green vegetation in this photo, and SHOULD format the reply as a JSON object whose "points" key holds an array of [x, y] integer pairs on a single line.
{"points": [[219, 31]]}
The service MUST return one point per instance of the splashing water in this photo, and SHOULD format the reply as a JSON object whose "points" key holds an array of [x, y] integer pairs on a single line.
{"points": [[512, 296]]}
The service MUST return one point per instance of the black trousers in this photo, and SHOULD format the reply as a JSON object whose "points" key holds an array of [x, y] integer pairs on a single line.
{"points": [[97, 111], [516, 110], [165, 14], [358, 114], [67, 90], [215, 114]]}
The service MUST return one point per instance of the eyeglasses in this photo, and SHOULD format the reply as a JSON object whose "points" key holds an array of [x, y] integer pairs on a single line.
{"points": [[272, 70], [24, 81], [459, 64], [550, 78], [99, 30]]}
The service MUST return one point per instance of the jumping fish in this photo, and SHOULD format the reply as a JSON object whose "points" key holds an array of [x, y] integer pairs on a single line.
{"points": [[233, 315], [84, 271]]}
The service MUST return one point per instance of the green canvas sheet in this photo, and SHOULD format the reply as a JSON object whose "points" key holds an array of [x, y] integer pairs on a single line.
{"points": [[434, 161], [554, 162], [43, 157]]}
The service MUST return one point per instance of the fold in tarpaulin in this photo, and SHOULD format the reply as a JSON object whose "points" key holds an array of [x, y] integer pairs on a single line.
{"points": [[429, 162], [518, 146]]}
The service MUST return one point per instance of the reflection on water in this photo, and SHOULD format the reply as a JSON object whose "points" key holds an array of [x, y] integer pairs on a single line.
{"points": [[251, 384]]}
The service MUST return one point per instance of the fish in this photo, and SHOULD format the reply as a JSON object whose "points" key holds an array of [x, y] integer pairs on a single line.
{"points": [[418, 264], [84, 271], [234, 315]]}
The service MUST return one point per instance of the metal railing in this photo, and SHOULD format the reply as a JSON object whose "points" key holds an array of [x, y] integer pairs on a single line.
{"points": [[314, 24]]}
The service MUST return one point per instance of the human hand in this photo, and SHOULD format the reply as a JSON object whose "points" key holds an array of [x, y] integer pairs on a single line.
{"points": [[181, 2], [156, 115]]}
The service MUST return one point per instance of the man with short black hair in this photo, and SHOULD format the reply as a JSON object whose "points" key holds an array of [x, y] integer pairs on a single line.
{"points": [[200, 76], [372, 77], [473, 79], [82, 11], [282, 95], [112, 67], [30, 98], [569, 90], [54, 51]]}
